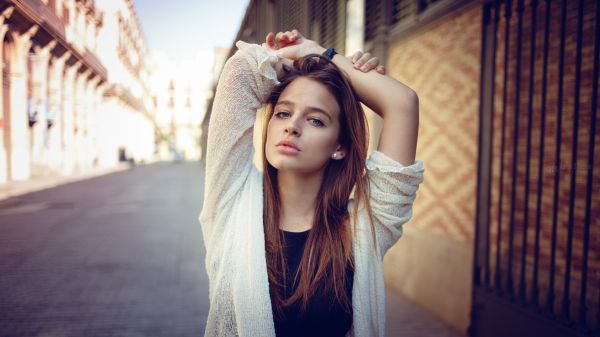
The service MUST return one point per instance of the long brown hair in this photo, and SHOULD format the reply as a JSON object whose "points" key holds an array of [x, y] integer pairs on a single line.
{"points": [[328, 249]]}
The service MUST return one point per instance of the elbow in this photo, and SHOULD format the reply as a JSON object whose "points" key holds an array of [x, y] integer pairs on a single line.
{"points": [[411, 99], [407, 101], [401, 101]]}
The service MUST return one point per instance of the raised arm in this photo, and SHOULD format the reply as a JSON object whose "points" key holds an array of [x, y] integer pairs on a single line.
{"points": [[247, 78], [396, 103]]}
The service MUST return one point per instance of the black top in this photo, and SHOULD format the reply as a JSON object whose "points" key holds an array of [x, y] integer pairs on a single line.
{"points": [[324, 315]]}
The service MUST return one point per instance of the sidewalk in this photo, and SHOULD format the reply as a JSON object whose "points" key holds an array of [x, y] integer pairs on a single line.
{"points": [[16, 188], [407, 319]]}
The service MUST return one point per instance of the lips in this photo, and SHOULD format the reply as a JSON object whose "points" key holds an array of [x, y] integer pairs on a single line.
{"points": [[287, 146]]}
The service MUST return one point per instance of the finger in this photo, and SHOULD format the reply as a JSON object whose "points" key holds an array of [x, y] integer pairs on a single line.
{"points": [[283, 39], [270, 40], [298, 37], [279, 38], [295, 34], [284, 43], [381, 70], [293, 37], [284, 36], [356, 56], [289, 37], [362, 60], [370, 64]]}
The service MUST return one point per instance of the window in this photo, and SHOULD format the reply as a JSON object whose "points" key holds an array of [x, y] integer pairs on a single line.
{"points": [[403, 9], [381, 13], [373, 17], [328, 23]]}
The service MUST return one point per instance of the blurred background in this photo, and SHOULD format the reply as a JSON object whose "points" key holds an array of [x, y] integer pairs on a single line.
{"points": [[105, 108]]}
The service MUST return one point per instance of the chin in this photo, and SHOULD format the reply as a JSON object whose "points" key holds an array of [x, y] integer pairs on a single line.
{"points": [[294, 164], [282, 164]]}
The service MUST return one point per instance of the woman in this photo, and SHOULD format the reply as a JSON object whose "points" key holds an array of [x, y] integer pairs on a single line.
{"points": [[290, 251]]}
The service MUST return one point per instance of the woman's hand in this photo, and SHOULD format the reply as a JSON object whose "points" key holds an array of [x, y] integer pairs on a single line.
{"points": [[269, 44], [292, 46], [365, 62]]}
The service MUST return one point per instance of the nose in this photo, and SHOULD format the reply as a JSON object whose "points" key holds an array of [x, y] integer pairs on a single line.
{"points": [[292, 129]]}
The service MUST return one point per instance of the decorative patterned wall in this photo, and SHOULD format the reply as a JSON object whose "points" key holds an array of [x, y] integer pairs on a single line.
{"points": [[442, 64]]}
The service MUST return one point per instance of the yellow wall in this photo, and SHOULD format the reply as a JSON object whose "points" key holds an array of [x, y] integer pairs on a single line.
{"points": [[432, 263]]}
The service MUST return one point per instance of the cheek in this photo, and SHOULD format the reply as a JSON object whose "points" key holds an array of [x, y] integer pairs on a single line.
{"points": [[267, 150], [272, 130], [327, 141]]}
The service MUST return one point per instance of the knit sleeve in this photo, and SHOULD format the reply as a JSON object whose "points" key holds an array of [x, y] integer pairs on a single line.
{"points": [[246, 81], [393, 189]]}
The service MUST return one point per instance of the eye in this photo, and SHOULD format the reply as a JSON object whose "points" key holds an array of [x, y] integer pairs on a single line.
{"points": [[316, 122], [282, 114]]}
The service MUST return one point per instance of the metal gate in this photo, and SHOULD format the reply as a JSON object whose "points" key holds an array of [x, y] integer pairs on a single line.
{"points": [[537, 247]]}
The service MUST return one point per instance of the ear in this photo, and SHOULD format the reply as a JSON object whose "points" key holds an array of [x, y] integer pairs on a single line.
{"points": [[339, 154]]}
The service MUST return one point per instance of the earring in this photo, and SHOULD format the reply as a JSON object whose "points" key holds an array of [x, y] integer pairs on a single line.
{"points": [[334, 156]]}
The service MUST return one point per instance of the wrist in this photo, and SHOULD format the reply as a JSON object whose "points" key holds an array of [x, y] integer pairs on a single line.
{"points": [[320, 50], [329, 53]]}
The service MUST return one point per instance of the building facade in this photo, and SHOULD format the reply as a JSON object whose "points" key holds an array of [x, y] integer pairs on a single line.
{"points": [[129, 109], [70, 95], [181, 87], [505, 234]]}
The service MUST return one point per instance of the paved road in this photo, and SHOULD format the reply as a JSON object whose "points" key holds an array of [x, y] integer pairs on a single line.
{"points": [[117, 255], [122, 255], [407, 319]]}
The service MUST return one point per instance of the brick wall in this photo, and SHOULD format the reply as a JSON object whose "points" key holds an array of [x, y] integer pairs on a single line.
{"points": [[549, 165], [442, 65]]}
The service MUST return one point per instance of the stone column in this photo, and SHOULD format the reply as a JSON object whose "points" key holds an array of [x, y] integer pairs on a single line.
{"points": [[107, 141], [100, 120], [19, 130], [85, 121], [92, 121], [56, 110], [68, 146], [79, 112], [39, 147], [4, 154]]}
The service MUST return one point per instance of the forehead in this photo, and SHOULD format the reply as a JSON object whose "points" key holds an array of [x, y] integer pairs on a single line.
{"points": [[304, 93]]}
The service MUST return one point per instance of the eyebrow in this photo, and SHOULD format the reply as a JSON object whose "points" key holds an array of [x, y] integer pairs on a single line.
{"points": [[311, 108]]}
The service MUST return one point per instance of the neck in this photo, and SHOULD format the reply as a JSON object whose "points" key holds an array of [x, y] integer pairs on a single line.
{"points": [[298, 194]]}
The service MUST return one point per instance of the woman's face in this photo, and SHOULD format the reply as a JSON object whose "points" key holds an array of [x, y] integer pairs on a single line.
{"points": [[302, 134]]}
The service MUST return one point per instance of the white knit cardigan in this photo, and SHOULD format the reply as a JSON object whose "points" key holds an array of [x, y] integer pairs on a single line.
{"points": [[232, 214]]}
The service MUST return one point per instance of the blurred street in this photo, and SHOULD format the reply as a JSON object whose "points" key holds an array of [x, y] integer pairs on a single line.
{"points": [[117, 255], [122, 255]]}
